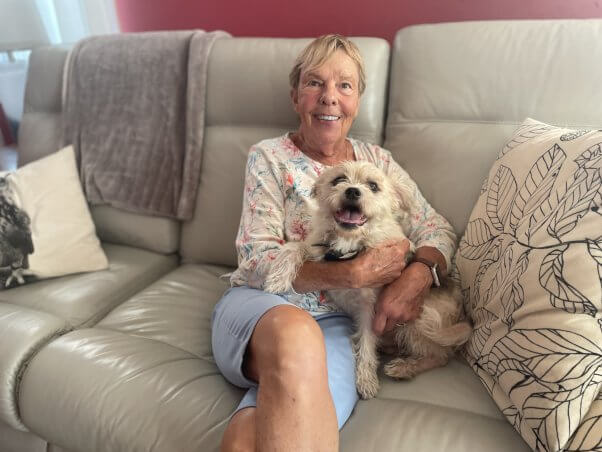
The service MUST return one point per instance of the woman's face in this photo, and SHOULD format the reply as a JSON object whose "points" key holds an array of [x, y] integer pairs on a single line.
{"points": [[327, 101]]}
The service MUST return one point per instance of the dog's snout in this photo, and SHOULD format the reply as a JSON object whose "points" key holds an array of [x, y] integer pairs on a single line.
{"points": [[352, 193]]}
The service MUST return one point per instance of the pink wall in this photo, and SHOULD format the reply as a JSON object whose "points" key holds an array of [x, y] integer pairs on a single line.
{"points": [[349, 17]]}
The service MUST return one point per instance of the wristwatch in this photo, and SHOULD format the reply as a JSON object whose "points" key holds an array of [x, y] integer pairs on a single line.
{"points": [[433, 267]]}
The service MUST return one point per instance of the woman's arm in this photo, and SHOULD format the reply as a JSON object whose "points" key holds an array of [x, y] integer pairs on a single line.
{"points": [[371, 268], [261, 230], [435, 240]]}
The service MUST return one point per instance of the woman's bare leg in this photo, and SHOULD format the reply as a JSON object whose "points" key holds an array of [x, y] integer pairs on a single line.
{"points": [[295, 412], [240, 435]]}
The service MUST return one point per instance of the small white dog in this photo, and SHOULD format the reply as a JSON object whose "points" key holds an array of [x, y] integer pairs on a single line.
{"points": [[358, 206]]}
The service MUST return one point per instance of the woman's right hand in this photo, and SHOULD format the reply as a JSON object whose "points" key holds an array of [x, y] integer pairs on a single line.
{"points": [[381, 265]]}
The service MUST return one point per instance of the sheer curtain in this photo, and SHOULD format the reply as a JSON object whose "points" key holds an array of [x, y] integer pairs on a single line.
{"points": [[65, 22]]}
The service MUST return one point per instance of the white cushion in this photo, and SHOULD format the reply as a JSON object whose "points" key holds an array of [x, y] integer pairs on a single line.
{"points": [[43, 208]]}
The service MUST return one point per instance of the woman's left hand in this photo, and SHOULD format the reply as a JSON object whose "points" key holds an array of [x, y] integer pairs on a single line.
{"points": [[401, 301]]}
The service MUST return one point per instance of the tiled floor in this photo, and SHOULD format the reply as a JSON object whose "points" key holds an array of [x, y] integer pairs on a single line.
{"points": [[8, 158]]}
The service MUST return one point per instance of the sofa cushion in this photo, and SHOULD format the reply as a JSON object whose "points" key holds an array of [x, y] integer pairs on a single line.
{"points": [[39, 135], [445, 409], [19, 441], [85, 298], [175, 310], [22, 332], [530, 263], [46, 228], [237, 117], [158, 234], [116, 392], [455, 100], [158, 346]]}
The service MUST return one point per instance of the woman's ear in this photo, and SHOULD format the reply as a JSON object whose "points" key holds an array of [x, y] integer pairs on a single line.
{"points": [[294, 98]]}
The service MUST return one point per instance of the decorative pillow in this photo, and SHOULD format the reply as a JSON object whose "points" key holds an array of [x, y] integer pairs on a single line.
{"points": [[45, 226], [530, 263]]}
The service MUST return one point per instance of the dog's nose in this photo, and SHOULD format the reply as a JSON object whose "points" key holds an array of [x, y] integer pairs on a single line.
{"points": [[352, 193]]}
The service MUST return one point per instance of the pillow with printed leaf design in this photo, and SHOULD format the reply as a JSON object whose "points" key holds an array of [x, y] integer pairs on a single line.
{"points": [[530, 263], [46, 228]]}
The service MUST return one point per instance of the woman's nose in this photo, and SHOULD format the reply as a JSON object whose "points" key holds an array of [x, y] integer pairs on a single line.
{"points": [[328, 96]]}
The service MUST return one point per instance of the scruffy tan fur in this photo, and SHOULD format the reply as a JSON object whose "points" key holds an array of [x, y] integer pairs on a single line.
{"points": [[380, 208]]}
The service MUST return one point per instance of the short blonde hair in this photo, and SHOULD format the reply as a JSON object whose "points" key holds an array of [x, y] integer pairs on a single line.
{"points": [[322, 48]]}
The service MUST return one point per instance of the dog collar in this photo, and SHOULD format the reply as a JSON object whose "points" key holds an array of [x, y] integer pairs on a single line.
{"points": [[333, 255]]}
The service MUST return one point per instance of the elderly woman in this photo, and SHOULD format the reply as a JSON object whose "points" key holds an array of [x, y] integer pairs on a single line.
{"points": [[293, 351]]}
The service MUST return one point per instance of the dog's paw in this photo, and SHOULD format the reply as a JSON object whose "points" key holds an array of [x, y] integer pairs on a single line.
{"points": [[367, 386], [406, 368], [401, 368], [275, 285], [366, 378]]}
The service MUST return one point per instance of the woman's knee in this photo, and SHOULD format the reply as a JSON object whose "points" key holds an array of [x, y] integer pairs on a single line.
{"points": [[286, 339]]}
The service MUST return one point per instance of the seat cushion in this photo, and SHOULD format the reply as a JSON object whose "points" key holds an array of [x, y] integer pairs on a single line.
{"points": [[22, 332], [175, 310], [12, 440], [160, 339], [83, 299], [146, 367], [446, 409], [122, 393]]}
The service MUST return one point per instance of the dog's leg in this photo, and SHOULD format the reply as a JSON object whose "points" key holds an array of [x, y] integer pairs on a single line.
{"points": [[285, 267], [453, 335], [365, 348], [406, 368]]}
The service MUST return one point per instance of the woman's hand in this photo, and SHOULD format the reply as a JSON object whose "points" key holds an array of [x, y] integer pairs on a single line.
{"points": [[381, 265], [401, 301]]}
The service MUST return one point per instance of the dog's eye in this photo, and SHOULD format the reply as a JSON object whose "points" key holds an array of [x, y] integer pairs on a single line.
{"points": [[373, 186], [338, 180]]}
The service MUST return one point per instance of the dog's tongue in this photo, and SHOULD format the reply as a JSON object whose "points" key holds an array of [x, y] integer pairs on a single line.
{"points": [[348, 216]]}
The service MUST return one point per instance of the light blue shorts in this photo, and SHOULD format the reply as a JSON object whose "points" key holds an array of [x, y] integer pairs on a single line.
{"points": [[233, 322]]}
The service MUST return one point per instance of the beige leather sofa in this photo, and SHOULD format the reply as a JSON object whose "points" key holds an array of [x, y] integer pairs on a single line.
{"points": [[120, 360]]}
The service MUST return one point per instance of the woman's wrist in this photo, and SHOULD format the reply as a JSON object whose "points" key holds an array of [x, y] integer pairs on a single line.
{"points": [[322, 275], [424, 270], [432, 254]]}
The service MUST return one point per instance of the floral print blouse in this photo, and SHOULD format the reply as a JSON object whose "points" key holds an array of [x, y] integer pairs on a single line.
{"points": [[278, 181]]}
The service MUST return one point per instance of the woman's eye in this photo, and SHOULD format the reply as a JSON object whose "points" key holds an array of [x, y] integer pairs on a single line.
{"points": [[338, 180], [373, 186], [346, 85], [314, 83]]}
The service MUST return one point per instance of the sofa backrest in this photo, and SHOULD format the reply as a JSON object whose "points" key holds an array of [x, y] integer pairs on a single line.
{"points": [[248, 100], [39, 135], [459, 90]]}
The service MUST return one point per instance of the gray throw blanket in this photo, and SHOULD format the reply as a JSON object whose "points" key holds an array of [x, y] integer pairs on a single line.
{"points": [[134, 108]]}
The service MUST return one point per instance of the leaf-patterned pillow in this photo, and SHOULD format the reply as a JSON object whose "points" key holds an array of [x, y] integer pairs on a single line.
{"points": [[530, 263]]}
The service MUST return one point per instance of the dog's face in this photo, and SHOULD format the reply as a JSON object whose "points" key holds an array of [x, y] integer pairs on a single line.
{"points": [[355, 195]]}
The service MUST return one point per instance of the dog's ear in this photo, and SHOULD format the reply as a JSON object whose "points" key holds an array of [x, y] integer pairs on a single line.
{"points": [[404, 196]]}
